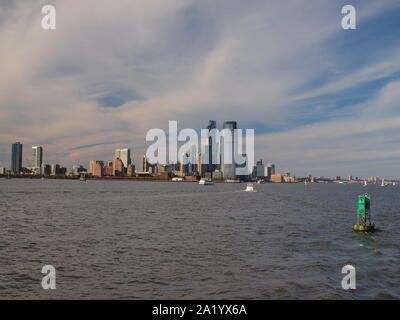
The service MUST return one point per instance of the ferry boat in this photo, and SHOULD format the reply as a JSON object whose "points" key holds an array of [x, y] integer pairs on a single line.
{"points": [[177, 179], [249, 188], [206, 182]]}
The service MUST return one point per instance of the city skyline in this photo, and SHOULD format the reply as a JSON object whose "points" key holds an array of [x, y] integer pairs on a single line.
{"points": [[321, 99], [117, 166]]}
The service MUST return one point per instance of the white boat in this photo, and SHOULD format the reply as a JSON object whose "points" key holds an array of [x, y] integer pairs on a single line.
{"points": [[365, 183], [383, 183], [206, 182], [394, 183], [261, 181], [250, 188], [177, 179], [82, 178]]}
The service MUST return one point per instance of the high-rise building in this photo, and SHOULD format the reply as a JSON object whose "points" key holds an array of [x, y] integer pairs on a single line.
{"points": [[270, 169], [125, 156], [145, 164], [260, 169], [107, 169], [243, 173], [228, 150], [117, 167], [55, 169], [184, 169], [37, 156], [130, 171], [16, 157], [45, 169], [211, 163], [200, 166], [96, 168]]}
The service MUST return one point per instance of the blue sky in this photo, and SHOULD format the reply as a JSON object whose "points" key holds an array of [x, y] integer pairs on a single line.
{"points": [[322, 100]]}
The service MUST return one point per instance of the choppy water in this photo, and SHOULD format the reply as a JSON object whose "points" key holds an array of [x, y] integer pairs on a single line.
{"points": [[151, 240]]}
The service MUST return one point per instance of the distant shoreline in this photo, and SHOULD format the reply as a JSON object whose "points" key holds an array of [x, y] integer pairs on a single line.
{"points": [[39, 177]]}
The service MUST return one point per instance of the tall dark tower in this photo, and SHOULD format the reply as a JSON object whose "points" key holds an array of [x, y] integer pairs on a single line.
{"points": [[212, 124], [16, 157]]}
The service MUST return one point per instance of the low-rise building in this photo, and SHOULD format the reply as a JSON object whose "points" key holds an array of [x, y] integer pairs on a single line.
{"points": [[277, 178]]}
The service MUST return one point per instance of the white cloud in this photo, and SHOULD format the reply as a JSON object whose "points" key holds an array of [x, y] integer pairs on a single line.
{"points": [[178, 59]]}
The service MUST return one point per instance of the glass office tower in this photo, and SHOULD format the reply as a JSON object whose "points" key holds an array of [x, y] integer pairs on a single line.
{"points": [[228, 165], [16, 157]]}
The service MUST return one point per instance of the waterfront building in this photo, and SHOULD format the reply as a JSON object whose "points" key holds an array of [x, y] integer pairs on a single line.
{"points": [[270, 169], [200, 167], [277, 178], [37, 156], [16, 157], [193, 158], [117, 167], [130, 171], [159, 169], [96, 168], [46, 169], [260, 169], [217, 175], [245, 175], [77, 169], [228, 149], [211, 162], [3, 170], [35, 170], [125, 156], [145, 164], [184, 164], [107, 169], [55, 169]]}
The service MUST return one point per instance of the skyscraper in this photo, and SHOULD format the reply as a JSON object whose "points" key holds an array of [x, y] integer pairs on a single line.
{"points": [[37, 156], [145, 164], [16, 157], [228, 149], [212, 124], [117, 167], [271, 169], [96, 168], [125, 155]]}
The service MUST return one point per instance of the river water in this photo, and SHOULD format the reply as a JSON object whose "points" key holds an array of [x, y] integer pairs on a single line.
{"points": [[162, 240]]}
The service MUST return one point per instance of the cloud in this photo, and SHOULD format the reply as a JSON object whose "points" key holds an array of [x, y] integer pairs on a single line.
{"points": [[113, 70]]}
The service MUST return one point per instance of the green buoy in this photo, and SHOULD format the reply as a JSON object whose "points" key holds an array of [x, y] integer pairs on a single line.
{"points": [[364, 215]]}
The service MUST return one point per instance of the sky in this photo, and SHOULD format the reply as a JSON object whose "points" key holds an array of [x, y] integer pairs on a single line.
{"points": [[322, 100]]}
